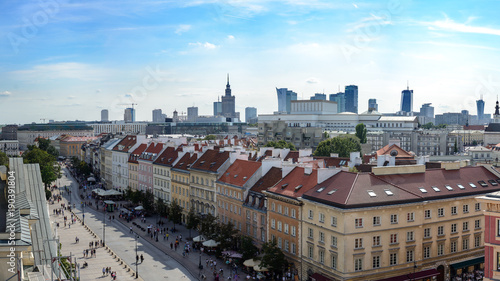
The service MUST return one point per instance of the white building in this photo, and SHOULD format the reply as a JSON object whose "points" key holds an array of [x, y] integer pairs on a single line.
{"points": [[119, 127], [10, 147]]}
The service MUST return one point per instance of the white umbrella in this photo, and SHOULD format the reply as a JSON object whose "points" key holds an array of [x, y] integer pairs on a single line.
{"points": [[251, 262], [199, 238], [91, 179], [259, 268], [210, 243], [138, 208]]}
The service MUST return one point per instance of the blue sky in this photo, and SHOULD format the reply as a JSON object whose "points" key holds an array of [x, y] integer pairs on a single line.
{"points": [[67, 60]]}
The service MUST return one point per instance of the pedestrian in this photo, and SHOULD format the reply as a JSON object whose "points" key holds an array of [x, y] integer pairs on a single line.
{"points": [[137, 259], [103, 271], [142, 258], [107, 270], [171, 246]]}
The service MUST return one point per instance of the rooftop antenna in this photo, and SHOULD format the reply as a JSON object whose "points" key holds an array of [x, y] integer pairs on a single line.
{"points": [[407, 85]]}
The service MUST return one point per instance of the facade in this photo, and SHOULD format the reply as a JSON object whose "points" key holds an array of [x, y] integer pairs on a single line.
{"points": [[285, 97], [161, 173], [313, 107], [407, 100], [119, 127], [9, 132], [120, 156], [397, 222], [70, 146], [158, 116], [10, 147], [181, 180], [372, 104], [339, 98], [490, 203], [426, 114], [197, 128], [129, 115], [250, 115], [107, 162], [318, 96], [27, 134], [133, 166], [217, 108], [104, 115], [351, 98], [452, 118], [469, 137], [192, 114], [145, 168], [232, 189], [204, 173]]}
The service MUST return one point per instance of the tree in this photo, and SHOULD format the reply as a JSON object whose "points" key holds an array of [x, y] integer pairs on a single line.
{"points": [[48, 166], [148, 201], [210, 137], [343, 145], [361, 132], [161, 207], [52, 151], [248, 249], [208, 225], [4, 159], [281, 144], [192, 220], [175, 213], [428, 126], [273, 257], [226, 234], [43, 144]]}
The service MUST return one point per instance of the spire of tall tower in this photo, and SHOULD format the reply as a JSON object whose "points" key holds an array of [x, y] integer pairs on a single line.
{"points": [[227, 80], [228, 87], [407, 84]]}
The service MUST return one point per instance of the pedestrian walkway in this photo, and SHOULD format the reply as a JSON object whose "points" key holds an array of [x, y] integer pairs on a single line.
{"points": [[103, 258]]}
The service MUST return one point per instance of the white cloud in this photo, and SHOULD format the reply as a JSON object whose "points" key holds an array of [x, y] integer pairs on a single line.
{"points": [[182, 28], [205, 45], [450, 25], [5, 94], [230, 37], [312, 80]]}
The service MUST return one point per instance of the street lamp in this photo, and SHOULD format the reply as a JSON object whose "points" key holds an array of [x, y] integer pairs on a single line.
{"points": [[136, 257], [83, 210], [104, 227]]}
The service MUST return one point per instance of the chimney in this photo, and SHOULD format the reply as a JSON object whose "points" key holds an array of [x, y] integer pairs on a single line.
{"points": [[232, 157], [305, 152], [355, 159], [267, 164], [326, 173], [308, 170], [286, 168]]}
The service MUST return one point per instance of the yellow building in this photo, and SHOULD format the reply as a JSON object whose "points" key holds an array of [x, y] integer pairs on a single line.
{"points": [[133, 166], [180, 176]]}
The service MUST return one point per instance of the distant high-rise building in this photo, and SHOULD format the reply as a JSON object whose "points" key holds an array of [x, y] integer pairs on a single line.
{"points": [[351, 98], [427, 110], [250, 114], [129, 115], [407, 100], [339, 98], [318, 96], [104, 115], [9, 132], [192, 113], [285, 97], [175, 116], [217, 108], [158, 116], [228, 102], [372, 105], [480, 109]]}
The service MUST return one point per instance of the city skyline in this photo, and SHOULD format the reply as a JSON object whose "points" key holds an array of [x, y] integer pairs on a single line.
{"points": [[68, 61]]}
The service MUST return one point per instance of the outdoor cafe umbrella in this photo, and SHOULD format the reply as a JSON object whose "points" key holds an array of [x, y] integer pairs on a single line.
{"points": [[259, 268], [139, 208], [210, 243], [251, 262], [91, 179], [199, 238]]}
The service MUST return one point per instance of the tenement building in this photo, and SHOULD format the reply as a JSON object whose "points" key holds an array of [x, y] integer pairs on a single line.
{"points": [[396, 223]]}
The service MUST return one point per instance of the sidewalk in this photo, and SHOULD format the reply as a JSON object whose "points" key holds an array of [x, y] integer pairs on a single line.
{"points": [[103, 258]]}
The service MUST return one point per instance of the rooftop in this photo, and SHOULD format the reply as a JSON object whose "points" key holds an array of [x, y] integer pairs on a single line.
{"points": [[239, 172], [211, 160]]}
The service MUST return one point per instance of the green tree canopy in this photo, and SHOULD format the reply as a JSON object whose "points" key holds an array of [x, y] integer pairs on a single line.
{"points": [[210, 137], [273, 257], [192, 220], [48, 166], [281, 144], [361, 132], [175, 212], [208, 226], [248, 249], [4, 159], [226, 235], [343, 145]]}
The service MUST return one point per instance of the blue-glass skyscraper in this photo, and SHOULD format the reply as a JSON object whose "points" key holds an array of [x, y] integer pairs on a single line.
{"points": [[407, 100], [480, 109], [285, 97], [351, 98], [339, 98]]}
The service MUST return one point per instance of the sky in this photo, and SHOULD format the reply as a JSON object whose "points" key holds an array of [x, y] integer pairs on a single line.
{"points": [[68, 60]]}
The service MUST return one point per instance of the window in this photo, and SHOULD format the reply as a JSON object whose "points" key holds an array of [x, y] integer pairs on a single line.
{"points": [[453, 247], [279, 208], [440, 230], [427, 252], [477, 241], [293, 213], [334, 261], [376, 241], [465, 226], [376, 261], [310, 251], [273, 224], [279, 226], [294, 248], [321, 217], [293, 231], [394, 238], [321, 237], [427, 233], [287, 245], [440, 249], [358, 223], [394, 218], [466, 208], [358, 243], [410, 236], [409, 256], [376, 220], [477, 224], [334, 241], [358, 264], [334, 221], [454, 210], [286, 228], [453, 228], [477, 207], [286, 211], [273, 206], [311, 233], [465, 243], [441, 212], [321, 256], [410, 216], [393, 259], [427, 214], [311, 214]]}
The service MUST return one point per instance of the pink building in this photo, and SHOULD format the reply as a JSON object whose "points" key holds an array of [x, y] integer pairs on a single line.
{"points": [[145, 169]]}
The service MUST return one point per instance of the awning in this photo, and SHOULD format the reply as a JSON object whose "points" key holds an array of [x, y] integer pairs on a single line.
{"points": [[411, 276], [468, 263], [319, 277]]}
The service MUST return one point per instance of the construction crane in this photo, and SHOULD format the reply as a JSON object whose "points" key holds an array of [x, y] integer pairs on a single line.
{"points": [[128, 104], [43, 120]]}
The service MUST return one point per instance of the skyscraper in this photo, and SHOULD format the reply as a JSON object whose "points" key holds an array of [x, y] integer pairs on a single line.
{"points": [[192, 114], [480, 109], [351, 98], [158, 116], [407, 100], [104, 115], [129, 115], [372, 105], [427, 110], [318, 96], [285, 97], [339, 98], [217, 108], [250, 113], [228, 102]]}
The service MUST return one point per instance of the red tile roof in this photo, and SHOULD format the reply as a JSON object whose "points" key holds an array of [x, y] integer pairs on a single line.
{"points": [[152, 151], [388, 149], [295, 183], [211, 160], [272, 177], [167, 157], [186, 161], [126, 143], [239, 172], [351, 190], [136, 153], [334, 161], [294, 155]]}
